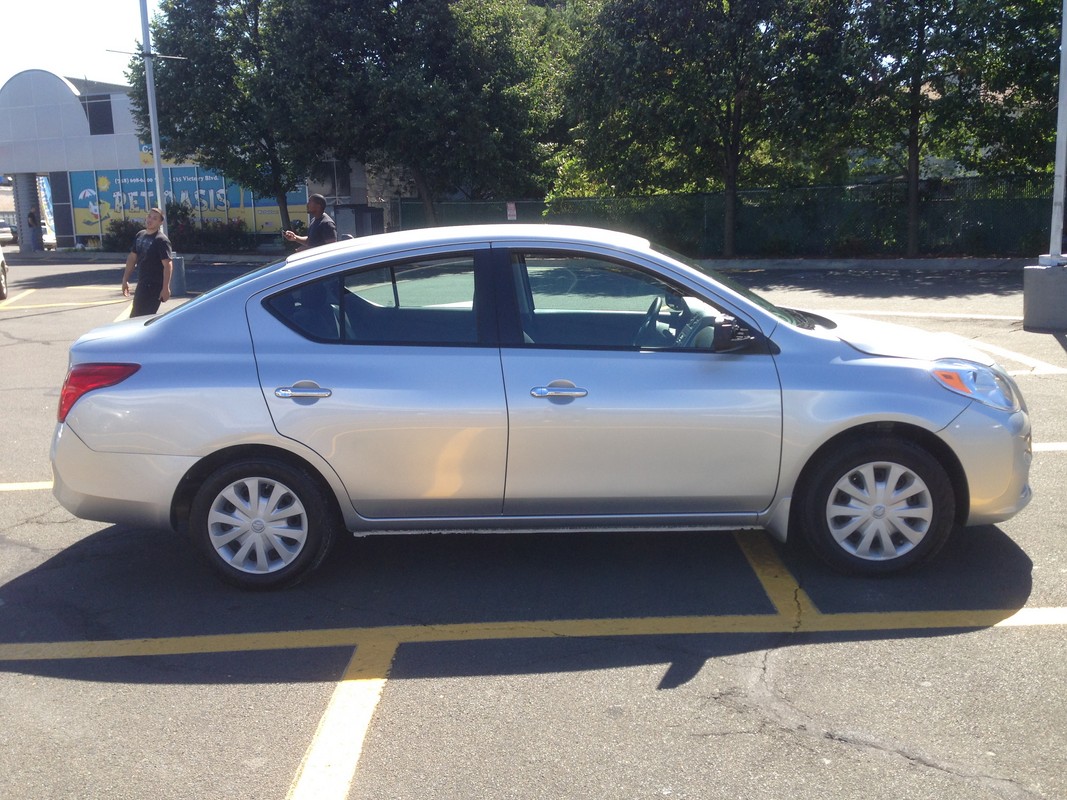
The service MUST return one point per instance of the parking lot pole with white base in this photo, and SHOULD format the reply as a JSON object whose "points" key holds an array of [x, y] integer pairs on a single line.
{"points": [[1045, 285]]}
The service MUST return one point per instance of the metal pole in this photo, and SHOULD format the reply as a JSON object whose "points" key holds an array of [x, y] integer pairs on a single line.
{"points": [[177, 278], [1056, 241], [153, 122]]}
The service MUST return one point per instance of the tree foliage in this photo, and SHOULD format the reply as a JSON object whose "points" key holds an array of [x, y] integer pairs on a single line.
{"points": [[682, 97], [964, 80], [219, 100], [497, 99], [454, 99]]}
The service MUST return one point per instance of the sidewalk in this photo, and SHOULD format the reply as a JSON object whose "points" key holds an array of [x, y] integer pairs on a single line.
{"points": [[14, 258]]}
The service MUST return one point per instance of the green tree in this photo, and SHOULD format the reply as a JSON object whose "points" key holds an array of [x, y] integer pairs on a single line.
{"points": [[967, 80], [685, 96], [223, 99], [454, 99]]}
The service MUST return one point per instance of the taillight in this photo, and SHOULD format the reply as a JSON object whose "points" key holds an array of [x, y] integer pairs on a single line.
{"points": [[86, 377]]}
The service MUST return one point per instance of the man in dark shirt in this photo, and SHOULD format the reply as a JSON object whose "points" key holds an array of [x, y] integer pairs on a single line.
{"points": [[321, 229], [151, 255]]}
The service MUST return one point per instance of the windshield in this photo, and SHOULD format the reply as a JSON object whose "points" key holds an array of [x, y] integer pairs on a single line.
{"points": [[792, 316]]}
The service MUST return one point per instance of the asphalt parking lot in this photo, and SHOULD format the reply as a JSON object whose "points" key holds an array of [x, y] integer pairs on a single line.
{"points": [[552, 666]]}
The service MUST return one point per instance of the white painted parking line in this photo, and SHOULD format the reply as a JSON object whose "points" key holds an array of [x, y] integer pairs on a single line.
{"points": [[1051, 447], [1027, 617], [1036, 367], [26, 486], [923, 315]]}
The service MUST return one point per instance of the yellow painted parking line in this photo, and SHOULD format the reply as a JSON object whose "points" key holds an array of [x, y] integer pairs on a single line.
{"points": [[15, 298], [330, 762], [26, 486], [87, 304], [861, 622], [778, 582]]}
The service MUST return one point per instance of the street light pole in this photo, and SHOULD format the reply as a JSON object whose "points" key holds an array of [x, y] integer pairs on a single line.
{"points": [[177, 280], [153, 121]]}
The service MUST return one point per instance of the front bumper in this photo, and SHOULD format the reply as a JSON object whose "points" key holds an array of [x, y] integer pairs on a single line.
{"points": [[995, 449]]}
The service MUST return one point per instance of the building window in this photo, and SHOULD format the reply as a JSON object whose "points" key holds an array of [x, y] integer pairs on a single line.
{"points": [[98, 112]]}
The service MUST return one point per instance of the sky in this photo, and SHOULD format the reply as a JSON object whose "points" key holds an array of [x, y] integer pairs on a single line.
{"points": [[71, 38]]}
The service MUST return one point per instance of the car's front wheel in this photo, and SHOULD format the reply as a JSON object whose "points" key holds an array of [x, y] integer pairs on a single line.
{"points": [[877, 506], [262, 524]]}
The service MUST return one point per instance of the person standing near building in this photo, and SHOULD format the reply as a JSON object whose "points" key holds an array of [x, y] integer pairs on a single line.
{"points": [[151, 255], [321, 229], [36, 234]]}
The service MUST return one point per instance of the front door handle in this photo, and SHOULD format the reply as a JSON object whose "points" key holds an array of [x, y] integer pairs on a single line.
{"points": [[301, 392], [557, 391]]}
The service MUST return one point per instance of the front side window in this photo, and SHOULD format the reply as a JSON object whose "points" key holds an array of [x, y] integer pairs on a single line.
{"points": [[585, 301]]}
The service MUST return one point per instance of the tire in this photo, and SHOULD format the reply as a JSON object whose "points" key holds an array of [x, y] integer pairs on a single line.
{"points": [[262, 524], [3, 282], [849, 516]]}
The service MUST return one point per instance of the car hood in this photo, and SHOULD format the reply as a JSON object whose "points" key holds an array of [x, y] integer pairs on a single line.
{"points": [[899, 341]]}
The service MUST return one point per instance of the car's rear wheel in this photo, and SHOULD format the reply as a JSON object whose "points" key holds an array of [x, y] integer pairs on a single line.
{"points": [[3, 282], [878, 506], [262, 524]]}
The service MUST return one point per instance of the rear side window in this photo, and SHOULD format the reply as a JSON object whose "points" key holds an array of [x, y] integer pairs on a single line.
{"points": [[313, 309], [429, 301]]}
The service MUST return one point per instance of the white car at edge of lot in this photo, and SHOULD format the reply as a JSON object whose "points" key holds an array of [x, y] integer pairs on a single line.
{"points": [[528, 378]]}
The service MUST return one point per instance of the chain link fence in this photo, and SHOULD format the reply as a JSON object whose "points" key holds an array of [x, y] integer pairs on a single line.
{"points": [[978, 217]]}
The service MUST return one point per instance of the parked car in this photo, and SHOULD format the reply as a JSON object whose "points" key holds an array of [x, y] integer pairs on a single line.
{"points": [[528, 378], [8, 233]]}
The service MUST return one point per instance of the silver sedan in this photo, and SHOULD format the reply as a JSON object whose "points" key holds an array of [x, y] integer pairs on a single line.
{"points": [[533, 378]]}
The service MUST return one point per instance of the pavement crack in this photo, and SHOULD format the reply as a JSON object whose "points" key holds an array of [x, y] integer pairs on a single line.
{"points": [[770, 711]]}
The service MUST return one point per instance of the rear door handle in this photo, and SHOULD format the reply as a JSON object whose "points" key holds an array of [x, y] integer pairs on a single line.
{"points": [[300, 392], [557, 391]]}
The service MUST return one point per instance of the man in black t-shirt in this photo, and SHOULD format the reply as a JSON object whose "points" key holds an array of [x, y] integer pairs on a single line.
{"points": [[151, 255], [321, 229]]}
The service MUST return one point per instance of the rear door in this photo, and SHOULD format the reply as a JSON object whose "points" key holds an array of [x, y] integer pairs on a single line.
{"points": [[392, 374]]}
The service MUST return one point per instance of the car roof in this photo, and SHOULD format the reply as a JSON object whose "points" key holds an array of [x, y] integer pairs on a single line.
{"points": [[458, 235]]}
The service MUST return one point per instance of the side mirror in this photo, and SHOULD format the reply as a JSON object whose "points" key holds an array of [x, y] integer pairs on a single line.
{"points": [[730, 335]]}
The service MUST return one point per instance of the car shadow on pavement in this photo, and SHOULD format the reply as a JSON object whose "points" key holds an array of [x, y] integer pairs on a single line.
{"points": [[124, 585]]}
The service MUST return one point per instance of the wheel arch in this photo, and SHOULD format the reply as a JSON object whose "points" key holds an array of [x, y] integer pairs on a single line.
{"points": [[182, 503], [925, 439]]}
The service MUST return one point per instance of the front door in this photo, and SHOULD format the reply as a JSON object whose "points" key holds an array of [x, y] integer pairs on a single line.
{"points": [[609, 414]]}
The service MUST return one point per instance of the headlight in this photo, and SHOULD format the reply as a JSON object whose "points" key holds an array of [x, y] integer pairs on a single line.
{"points": [[977, 382]]}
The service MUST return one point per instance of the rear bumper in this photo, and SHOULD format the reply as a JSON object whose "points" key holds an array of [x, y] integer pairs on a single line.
{"points": [[130, 488]]}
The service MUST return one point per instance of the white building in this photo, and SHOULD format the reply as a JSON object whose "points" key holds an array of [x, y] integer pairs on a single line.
{"points": [[76, 159]]}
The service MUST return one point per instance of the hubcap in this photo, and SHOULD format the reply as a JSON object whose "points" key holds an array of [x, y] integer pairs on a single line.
{"points": [[257, 525], [879, 511]]}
